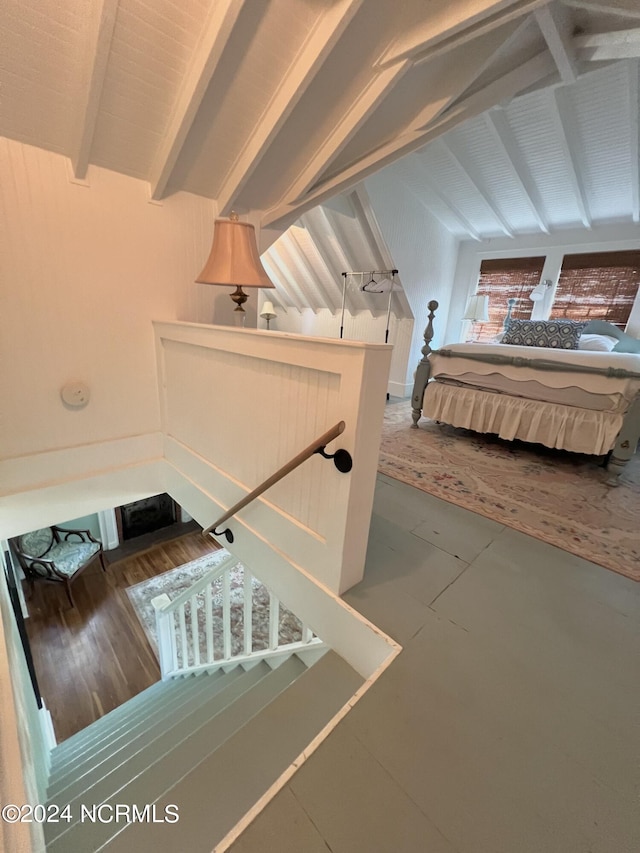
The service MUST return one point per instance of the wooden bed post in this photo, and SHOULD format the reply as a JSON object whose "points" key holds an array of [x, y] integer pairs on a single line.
{"points": [[626, 443], [423, 369]]}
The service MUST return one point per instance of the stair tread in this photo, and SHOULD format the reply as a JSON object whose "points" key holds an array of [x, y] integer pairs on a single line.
{"points": [[216, 793], [104, 753], [132, 768], [85, 736]]}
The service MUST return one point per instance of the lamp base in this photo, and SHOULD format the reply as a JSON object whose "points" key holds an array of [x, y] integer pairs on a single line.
{"points": [[239, 297]]}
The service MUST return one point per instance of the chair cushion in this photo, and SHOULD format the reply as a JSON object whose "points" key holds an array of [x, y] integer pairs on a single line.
{"points": [[68, 557], [36, 543]]}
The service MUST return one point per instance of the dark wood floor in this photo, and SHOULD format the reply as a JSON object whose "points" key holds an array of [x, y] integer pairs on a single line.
{"points": [[91, 659]]}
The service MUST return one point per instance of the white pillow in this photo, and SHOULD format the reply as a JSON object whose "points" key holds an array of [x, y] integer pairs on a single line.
{"points": [[599, 343]]}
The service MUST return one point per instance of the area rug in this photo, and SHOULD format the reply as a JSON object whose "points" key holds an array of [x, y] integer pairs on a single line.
{"points": [[177, 580], [555, 496]]}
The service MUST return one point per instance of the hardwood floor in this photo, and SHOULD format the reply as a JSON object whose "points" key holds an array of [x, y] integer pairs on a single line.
{"points": [[91, 659]]}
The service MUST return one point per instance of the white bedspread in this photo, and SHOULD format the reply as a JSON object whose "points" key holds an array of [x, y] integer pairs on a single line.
{"points": [[457, 365]]}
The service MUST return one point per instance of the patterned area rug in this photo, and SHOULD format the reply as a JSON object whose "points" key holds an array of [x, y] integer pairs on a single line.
{"points": [[552, 495], [177, 580]]}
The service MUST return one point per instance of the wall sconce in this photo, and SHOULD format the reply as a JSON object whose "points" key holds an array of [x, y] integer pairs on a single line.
{"points": [[267, 312], [540, 290], [234, 260]]}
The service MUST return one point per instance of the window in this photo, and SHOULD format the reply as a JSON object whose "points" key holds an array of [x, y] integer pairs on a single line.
{"points": [[597, 286], [501, 280]]}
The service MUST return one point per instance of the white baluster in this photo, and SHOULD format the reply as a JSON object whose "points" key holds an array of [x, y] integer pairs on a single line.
{"points": [[208, 615], [164, 631], [248, 613], [274, 621], [307, 634], [183, 636], [195, 632], [226, 615]]}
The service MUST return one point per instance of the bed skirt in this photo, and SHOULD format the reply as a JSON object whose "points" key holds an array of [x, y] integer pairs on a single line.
{"points": [[551, 424]]}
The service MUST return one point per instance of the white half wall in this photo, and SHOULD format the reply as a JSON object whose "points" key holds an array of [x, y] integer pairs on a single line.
{"points": [[238, 404], [359, 327]]}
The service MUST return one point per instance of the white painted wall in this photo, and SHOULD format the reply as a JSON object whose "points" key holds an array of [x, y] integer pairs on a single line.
{"points": [[554, 247], [84, 270], [359, 327], [23, 750], [425, 252]]}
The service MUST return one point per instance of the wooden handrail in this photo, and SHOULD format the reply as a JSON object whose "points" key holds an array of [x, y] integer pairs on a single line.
{"points": [[315, 447]]}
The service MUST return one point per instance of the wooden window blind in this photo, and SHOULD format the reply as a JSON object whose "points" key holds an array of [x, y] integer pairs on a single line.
{"points": [[501, 280], [598, 286]]}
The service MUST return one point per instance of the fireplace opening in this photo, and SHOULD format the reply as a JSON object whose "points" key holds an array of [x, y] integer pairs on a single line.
{"points": [[146, 516]]}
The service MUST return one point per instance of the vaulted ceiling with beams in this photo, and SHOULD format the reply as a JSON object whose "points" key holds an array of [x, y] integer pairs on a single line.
{"points": [[503, 117]]}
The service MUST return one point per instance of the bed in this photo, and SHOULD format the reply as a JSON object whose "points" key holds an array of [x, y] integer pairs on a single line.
{"points": [[584, 399]]}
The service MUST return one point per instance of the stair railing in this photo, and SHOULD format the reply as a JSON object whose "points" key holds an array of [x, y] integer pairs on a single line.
{"points": [[341, 459], [197, 631]]}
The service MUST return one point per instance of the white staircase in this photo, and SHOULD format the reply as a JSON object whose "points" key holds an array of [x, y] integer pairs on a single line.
{"points": [[209, 745]]}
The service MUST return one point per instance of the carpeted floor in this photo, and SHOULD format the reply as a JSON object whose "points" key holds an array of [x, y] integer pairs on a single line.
{"points": [[177, 580], [555, 496]]}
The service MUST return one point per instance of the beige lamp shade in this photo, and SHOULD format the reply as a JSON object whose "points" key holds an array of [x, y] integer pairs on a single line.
{"points": [[234, 258], [477, 309], [267, 311]]}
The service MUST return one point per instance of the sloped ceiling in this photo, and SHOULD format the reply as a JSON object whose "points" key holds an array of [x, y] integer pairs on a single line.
{"points": [[501, 116]]}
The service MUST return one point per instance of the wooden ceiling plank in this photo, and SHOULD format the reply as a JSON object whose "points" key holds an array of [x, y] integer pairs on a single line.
{"points": [[306, 270], [220, 22], [502, 135], [565, 128], [272, 262], [320, 42], [309, 221], [508, 86], [556, 26], [482, 191], [455, 212], [98, 49]]}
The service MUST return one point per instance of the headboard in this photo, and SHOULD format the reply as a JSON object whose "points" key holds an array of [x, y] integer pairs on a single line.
{"points": [[625, 342]]}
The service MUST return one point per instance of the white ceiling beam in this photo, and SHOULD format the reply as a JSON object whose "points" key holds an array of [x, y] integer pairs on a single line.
{"points": [[315, 228], [556, 27], [320, 41], [300, 259], [561, 115], [634, 121], [451, 208], [630, 9], [483, 192], [365, 104], [503, 137], [429, 39], [506, 87], [332, 251], [277, 271], [599, 47], [97, 49], [220, 22]]}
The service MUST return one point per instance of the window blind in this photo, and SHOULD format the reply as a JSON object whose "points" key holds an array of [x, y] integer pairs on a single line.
{"points": [[597, 286], [504, 279]]}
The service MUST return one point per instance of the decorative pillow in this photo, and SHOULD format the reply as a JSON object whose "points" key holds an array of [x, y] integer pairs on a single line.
{"points": [[556, 334], [598, 343]]}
